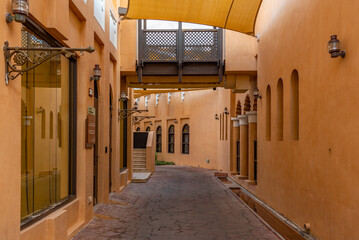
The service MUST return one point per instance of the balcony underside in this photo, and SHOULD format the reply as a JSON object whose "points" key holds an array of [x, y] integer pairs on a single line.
{"points": [[187, 68], [159, 82]]}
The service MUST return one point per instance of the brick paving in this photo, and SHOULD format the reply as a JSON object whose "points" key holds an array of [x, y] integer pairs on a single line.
{"points": [[176, 203]]}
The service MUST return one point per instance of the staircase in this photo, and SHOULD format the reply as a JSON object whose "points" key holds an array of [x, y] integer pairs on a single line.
{"points": [[143, 156], [139, 160]]}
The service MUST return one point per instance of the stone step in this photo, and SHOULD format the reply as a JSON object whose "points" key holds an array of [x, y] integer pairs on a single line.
{"points": [[136, 166], [139, 160], [140, 170], [139, 164], [139, 150], [141, 177]]}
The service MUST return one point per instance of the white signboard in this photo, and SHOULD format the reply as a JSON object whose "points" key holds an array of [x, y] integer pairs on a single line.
{"points": [[113, 29], [99, 12]]}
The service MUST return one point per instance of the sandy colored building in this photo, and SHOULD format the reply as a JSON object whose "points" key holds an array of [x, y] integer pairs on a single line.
{"points": [[291, 146], [56, 173]]}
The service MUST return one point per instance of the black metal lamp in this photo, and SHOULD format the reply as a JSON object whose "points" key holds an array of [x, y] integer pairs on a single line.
{"points": [[135, 106], [20, 9], [96, 73], [334, 47], [216, 117], [256, 93], [123, 96], [226, 111]]}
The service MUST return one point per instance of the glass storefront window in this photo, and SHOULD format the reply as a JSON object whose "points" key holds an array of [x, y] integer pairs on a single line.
{"points": [[45, 131]]}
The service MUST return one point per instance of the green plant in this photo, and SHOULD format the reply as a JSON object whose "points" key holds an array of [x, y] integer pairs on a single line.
{"points": [[161, 163]]}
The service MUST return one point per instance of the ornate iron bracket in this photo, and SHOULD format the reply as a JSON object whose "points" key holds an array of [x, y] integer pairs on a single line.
{"points": [[125, 113], [17, 57], [137, 119]]}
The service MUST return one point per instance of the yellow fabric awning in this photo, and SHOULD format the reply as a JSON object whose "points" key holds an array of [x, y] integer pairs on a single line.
{"points": [[237, 15]]}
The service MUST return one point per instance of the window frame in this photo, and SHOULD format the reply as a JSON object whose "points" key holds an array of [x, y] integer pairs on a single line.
{"points": [[169, 137], [159, 139], [183, 137], [36, 29]]}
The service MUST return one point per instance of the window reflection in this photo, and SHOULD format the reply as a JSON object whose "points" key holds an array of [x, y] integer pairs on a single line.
{"points": [[171, 139], [45, 151]]}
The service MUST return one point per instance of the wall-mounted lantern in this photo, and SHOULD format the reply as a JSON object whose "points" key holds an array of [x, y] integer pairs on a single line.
{"points": [[256, 93], [226, 111], [135, 106], [125, 113], [123, 96], [138, 119], [96, 73], [20, 9], [334, 47], [216, 117], [122, 12]]}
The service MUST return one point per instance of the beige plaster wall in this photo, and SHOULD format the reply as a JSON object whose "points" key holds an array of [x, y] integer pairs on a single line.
{"points": [[313, 179], [197, 110], [240, 53]]}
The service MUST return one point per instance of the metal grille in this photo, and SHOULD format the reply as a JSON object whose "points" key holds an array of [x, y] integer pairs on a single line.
{"points": [[29, 40], [160, 45], [200, 45]]}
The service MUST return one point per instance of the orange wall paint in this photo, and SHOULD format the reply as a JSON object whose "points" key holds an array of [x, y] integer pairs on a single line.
{"points": [[197, 110], [312, 179]]}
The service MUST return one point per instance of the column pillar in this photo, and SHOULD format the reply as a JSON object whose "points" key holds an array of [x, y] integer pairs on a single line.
{"points": [[234, 164], [252, 136], [243, 168]]}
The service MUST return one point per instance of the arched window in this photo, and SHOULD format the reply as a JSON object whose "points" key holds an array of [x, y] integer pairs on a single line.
{"points": [[171, 139], [148, 129], [185, 139], [159, 139], [294, 106], [280, 110], [138, 129], [268, 114]]}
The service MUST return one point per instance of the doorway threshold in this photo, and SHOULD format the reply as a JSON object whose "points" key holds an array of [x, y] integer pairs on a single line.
{"points": [[140, 177]]}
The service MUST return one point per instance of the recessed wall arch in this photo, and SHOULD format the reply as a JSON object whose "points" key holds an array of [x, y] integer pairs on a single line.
{"points": [[280, 110], [294, 105], [268, 113]]}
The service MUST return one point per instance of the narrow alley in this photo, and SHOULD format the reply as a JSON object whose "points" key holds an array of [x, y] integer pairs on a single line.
{"points": [[176, 203]]}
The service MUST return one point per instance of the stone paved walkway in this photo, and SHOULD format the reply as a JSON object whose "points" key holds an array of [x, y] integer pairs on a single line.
{"points": [[176, 203]]}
